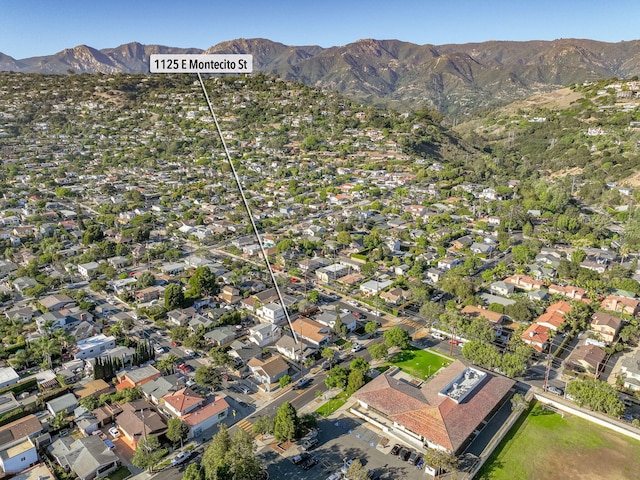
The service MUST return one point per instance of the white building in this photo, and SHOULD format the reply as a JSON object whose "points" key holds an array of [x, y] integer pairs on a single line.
{"points": [[8, 376], [271, 313], [94, 346], [16, 457]]}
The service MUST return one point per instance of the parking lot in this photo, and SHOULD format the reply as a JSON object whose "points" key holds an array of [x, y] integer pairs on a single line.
{"points": [[340, 440]]}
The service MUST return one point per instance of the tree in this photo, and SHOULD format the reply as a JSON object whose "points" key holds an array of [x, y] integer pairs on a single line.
{"points": [[177, 430], [518, 403], [263, 425], [47, 347], [359, 364], [339, 328], [336, 378], [285, 426], [146, 279], [148, 452], [370, 328], [343, 238], [378, 351], [313, 297], [328, 353], [220, 358], [208, 376], [92, 234], [173, 297], [357, 471], [440, 460], [356, 381], [397, 337], [203, 282], [284, 381], [596, 395], [193, 472]]}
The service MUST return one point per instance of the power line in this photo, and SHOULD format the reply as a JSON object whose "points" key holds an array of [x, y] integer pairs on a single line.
{"points": [[248, 209]]}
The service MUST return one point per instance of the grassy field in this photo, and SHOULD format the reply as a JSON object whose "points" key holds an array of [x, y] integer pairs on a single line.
{"points": [[419, 363], [333, 404], [543, 445]]}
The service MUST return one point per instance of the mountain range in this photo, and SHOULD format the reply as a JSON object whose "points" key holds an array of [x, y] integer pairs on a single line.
{"points": [[457, 80]]}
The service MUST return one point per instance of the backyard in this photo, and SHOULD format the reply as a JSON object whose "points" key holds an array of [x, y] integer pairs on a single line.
{"points": [[419, 363], [543, 444]]}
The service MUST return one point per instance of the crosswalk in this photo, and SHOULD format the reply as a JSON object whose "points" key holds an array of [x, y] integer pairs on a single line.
{"points": [[411, 323], [245, 425]]}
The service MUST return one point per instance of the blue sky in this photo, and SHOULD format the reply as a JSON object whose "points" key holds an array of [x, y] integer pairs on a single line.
{"points": [[43, 27]]}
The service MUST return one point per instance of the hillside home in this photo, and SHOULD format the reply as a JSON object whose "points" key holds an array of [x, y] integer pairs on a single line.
{"points": [[449, 263], [618, 304]]}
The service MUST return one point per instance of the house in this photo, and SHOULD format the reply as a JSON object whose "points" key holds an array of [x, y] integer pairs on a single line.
{"points": [[19, 456], [606, 325], [266, 372], [434, 275], [206, 416], [313, 332], [21, 284], [154, 390], [201, 322], [7, 403], [619, 304], [136, 377], [537, 336], [138, 419], [328, 319], [395, 296], [265, 334], [181, 402], [8, 376], [502, 288], [94, 346], [40, 471], [493, 317], [331, 272], [298, 352], [107, 413], [630, 368], [89, 269], [445, 413], [462, 242], [88, 457], [553, 317], [588, 357], [374, 287], [148, 294], [569, 291], [221, 336], [17, 431], [23, 314], [525, 282], [66, 403], [54, 303], [93, 388], [230, 295], [86, 420], [243, 351], [449, 263], [271, 313], [173, 269], [481, 248], [181, 316]]}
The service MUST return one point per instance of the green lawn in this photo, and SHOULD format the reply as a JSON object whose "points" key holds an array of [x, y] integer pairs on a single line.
{"points": [[543, 445], [419, 363], [333, 404], [119, 474]]}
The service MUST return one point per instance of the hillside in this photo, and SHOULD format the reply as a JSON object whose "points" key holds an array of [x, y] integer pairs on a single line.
{"points": [[458, 80], [589, 133]]}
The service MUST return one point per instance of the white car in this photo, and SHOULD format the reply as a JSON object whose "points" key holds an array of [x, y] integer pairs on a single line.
{"points": [[114, 432], [190, 353], [179, 458], [356, 348], [158, 349]]}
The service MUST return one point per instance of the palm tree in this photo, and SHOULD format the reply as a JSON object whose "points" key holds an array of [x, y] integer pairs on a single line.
{"points": [[47, 347], [65, 339], [168, 364]]}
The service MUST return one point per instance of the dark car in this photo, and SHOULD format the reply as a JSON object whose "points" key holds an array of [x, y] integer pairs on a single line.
{"points": [[413, 458], [309, 463], [404, 454], [298, 459], [396, 449]]}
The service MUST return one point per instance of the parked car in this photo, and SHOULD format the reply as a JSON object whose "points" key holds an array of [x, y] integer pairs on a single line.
{"points": [[180, 458], [300, 458], [109, 444], [310, 444], [358, 315], [396, 449], [309, 463], [114, 432], [404, 453], [159, 349], [454, 342], [413, 458], [356, 348], [190, 353], [303, 382], [555, 390]]}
